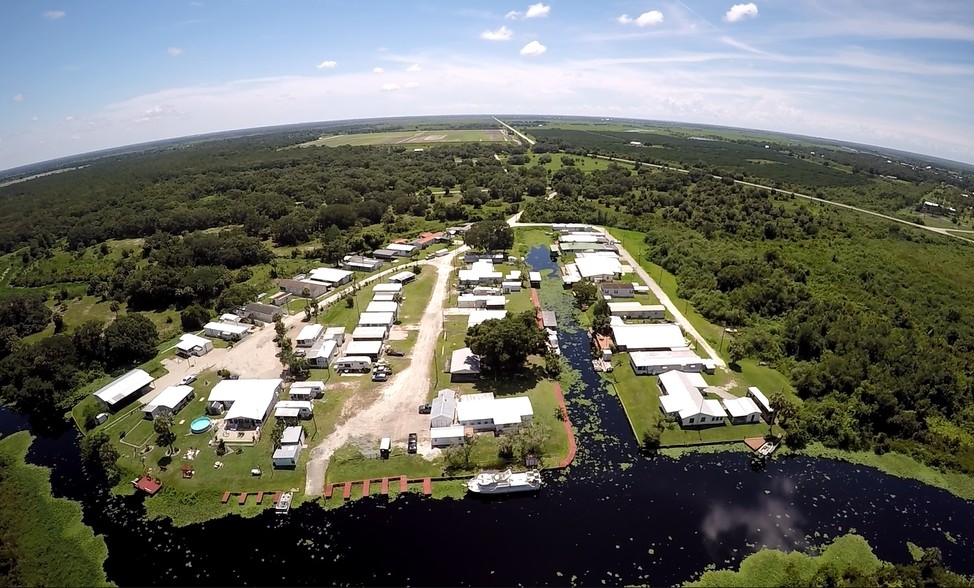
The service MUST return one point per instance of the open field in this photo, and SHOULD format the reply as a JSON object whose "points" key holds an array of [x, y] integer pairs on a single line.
{"points": [[426, 137]]}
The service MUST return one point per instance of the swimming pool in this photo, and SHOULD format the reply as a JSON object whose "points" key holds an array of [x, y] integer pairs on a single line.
{"points": [[200, 425]]}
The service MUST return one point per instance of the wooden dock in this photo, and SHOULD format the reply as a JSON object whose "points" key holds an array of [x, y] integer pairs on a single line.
{"points": [[427, 486], [243, 498], [366, 486], [385, 486], [226, 498], [260, 497], [348, 491], [329, 490], [403, 483], [277, 498]]}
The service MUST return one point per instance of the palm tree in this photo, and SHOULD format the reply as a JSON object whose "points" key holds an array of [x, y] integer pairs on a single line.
{"points": [[162, 425]]}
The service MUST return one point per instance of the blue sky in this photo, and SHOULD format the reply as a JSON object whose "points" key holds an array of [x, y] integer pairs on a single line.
{"points": [[90, 74]]}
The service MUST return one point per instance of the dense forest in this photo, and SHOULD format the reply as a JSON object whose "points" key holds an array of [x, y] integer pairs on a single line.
{"points": [[872, 321]]}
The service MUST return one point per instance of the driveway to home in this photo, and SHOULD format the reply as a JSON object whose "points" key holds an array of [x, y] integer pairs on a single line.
{"points": [[394, 413]]}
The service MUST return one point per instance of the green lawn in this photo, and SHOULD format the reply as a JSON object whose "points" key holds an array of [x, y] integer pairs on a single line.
{"points": [[527, 238], [416, 297], [640, 399]]}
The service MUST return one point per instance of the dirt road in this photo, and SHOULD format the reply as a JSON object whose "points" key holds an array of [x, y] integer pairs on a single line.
{"points": [[393, 414]]}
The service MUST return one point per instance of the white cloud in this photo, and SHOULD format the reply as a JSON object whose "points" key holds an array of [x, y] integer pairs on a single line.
{"points": [[34, 119], [378, 70], [739, 12], [414, 68], [69, 118], [501, 34], [411, 85], [538, 10], [18, 97], [174, 51], [328, 64], [54, 14], [533, 49], [651, 18], [389, 87]]}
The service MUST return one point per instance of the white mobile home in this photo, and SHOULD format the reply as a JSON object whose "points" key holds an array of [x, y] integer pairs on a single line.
{"points": [[321, 353], [377, 307], [742, 410], [190, 344], [617, 290], [652, 337], [370, 349], [464, 366], [637, 310], [401, 278], [331, 276], [335, 334], [385, 297], [446, 436], [478, 316], [509, 287], [681, 397], [762, 402], [369, 334], [120, 391], [376, 319], [307, 390], [293, 409], [351, 363], [402, 249], [484, 412], [486, 302], [247, 402], [292, 440], [309, 335], [652, 363], [361, 263], [388, 289], [168, 402], [535, 279], [226, 331]]}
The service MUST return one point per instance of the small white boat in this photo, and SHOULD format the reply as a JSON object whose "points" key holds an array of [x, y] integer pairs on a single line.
{"points": [[505, 482], [284, 503]]}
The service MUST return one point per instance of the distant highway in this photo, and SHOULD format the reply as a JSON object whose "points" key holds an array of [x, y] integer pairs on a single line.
{"points": [[936, 230], [515, 131]]}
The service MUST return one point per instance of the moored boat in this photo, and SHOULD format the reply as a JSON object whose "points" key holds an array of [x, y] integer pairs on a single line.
{"points": [[505, 482]]}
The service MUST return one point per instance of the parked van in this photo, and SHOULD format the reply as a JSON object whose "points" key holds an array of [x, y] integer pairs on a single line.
{"points": [[353, 363], [385, 446]]}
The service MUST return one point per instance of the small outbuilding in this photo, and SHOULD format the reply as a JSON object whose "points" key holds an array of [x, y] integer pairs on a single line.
{"points": [[122, 390], [263, 312], [193, 345], [464, 365], [287, 455], [370, 349], [226, 330], [444, 409], [403, 277], [309, 335], [294, 409], [446, 436], [170, 401], [321, 352], [331, 276], [306, 390]]}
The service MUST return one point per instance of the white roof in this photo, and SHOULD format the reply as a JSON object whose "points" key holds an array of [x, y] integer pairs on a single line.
{"points": [[489, 300], [400, 247], [299, 404], [231, 328], [291, 435], [289, 451], [661, 358], [634, 306], [312, 384], [444, 405], [580, 238], [513, 275], [394, 288], [401, 277], [478, 316], [502, 411], [332, 331], [329, 275], [760, 398], [464, 361], [384, 297], [189, 341], [601, 266], [378, 306], [310, 332], [474, 275], [511, 284], [229, 318], [446, 432], [235, 390], [324, 348], [253, 398], [534, 276], [641, 337], [124, 386], [741, 407], [369, 333], [364, 348], [683, 396], [169, 398], [376, 318]]}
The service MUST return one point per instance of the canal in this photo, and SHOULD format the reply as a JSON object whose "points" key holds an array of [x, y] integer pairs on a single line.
{"points": [[614, 517]]}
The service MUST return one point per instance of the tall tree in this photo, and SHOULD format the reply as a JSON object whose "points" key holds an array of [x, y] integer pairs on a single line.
{"points": [[490, 235], [505, 344], [131, 338]]}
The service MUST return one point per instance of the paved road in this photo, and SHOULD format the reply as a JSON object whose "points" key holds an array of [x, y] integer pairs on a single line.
{"points": [[936, 230], [516, 132], [657, 290]]}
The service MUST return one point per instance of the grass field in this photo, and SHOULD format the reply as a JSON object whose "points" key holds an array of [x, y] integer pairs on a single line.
{"points": [[426, 137], [43, 534]]}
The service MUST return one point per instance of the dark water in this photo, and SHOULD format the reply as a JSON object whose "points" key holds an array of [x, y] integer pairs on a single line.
{"points": [[655, 521]]}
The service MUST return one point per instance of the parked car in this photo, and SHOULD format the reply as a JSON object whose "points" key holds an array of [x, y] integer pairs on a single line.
{"points": [[425, 408], [380, 376], [411, 444], [394, 352], [188, 379]]}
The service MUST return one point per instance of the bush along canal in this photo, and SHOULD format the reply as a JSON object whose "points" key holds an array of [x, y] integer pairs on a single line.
{"points": [[613, 516]]}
